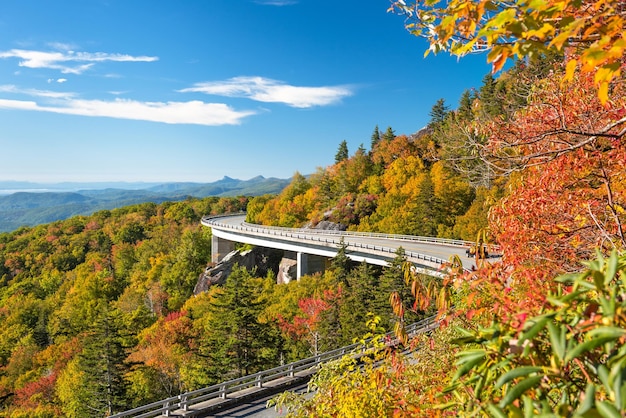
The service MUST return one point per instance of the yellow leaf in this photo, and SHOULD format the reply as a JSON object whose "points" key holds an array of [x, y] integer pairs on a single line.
{"points": [[498, 61], [603, 92], [570, 69]]}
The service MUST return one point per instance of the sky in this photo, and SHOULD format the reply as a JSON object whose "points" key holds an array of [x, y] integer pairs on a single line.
{"points": [[195, 90]]}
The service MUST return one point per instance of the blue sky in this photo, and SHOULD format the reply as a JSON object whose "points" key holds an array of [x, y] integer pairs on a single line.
{"points": [[193, 90]]}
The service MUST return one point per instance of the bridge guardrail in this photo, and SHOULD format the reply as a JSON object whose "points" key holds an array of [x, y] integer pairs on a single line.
{"points": [[304, 235], [187, 400], [207, 221]]}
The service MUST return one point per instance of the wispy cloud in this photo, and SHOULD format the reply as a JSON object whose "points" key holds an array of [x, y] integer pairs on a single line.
{"points": [[193, 112], [272, 91], [10, 88], [68, 62]]}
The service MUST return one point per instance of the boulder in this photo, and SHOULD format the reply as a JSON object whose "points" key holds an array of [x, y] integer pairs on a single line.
{"points": [[258, 260], [286, 271]]}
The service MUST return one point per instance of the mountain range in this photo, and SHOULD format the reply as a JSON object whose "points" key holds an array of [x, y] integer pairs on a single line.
{"points": [[29, 204]]}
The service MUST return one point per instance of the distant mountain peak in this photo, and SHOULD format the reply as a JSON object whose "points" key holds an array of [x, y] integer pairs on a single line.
{"points": [[227, 179]]}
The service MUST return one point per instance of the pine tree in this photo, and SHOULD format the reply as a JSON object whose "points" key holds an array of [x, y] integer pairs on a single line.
{"points": [[465, 111], [438, 113], [358, 301], [102, 368], [342, 152], [488, 95], [375, 139], [237, 341], [389, 134], [341, 265], [392, 280]]}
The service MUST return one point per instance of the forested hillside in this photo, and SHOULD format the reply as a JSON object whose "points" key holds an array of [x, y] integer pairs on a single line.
{"points": [[533, 161], [98, 312], [29, 208]]}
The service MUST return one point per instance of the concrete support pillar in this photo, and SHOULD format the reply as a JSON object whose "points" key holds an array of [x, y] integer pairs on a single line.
{"points": [[219, 248], [302, 265], [309, 264]]}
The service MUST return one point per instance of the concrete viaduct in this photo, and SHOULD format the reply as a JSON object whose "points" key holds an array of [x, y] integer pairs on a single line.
{"points": [[312, 248]]}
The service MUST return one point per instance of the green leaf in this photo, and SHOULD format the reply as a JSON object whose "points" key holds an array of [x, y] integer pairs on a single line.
{"points": [[611, 267], [502, 18], [598, 279], [586, 347], [529, 411], [616, 376], [589, 399], [445, 405], [538, 323], [515, 373], [603, 374], [607, 410], [480, 384], [516, 391], [613, 332], [557, 338], [467, 360], [496, 411]]}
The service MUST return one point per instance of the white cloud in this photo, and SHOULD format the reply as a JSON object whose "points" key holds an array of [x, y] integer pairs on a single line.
{"points": [[10, 88], [272, 91], [68, 62], [192, 112]]}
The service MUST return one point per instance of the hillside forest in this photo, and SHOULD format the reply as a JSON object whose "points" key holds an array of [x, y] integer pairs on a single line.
{"points": [[99, 314]]}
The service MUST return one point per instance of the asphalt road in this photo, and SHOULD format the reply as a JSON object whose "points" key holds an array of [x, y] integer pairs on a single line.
{"points": [[442, 251]]}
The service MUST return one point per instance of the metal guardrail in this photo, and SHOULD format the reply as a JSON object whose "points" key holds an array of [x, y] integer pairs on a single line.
{"points": [[300, 234], [210, 220], [185, 401], [397, 237]]}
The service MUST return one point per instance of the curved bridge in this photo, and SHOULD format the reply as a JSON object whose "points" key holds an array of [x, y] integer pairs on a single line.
{"points": [[428, 255]]}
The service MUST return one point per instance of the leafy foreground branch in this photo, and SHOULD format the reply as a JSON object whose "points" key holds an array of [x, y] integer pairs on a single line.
{"points": [[568, 361]]}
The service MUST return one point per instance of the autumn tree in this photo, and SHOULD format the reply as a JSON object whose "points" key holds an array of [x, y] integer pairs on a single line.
{"points": [[305, 325], [163, 359], [589, 32]]}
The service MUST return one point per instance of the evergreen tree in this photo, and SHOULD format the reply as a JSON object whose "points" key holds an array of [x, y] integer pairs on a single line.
{"points": [[341, 265], [237, 342], [375, 138], [465, 111], [488, 94], [101, 365], [389, 134], [342, 152], [424, 211], [438, 113], [358, 302], [392, 280]]}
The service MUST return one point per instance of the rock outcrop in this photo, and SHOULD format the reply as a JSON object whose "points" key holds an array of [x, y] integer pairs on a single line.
{"points": [[258, 259], [286, 270]]}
